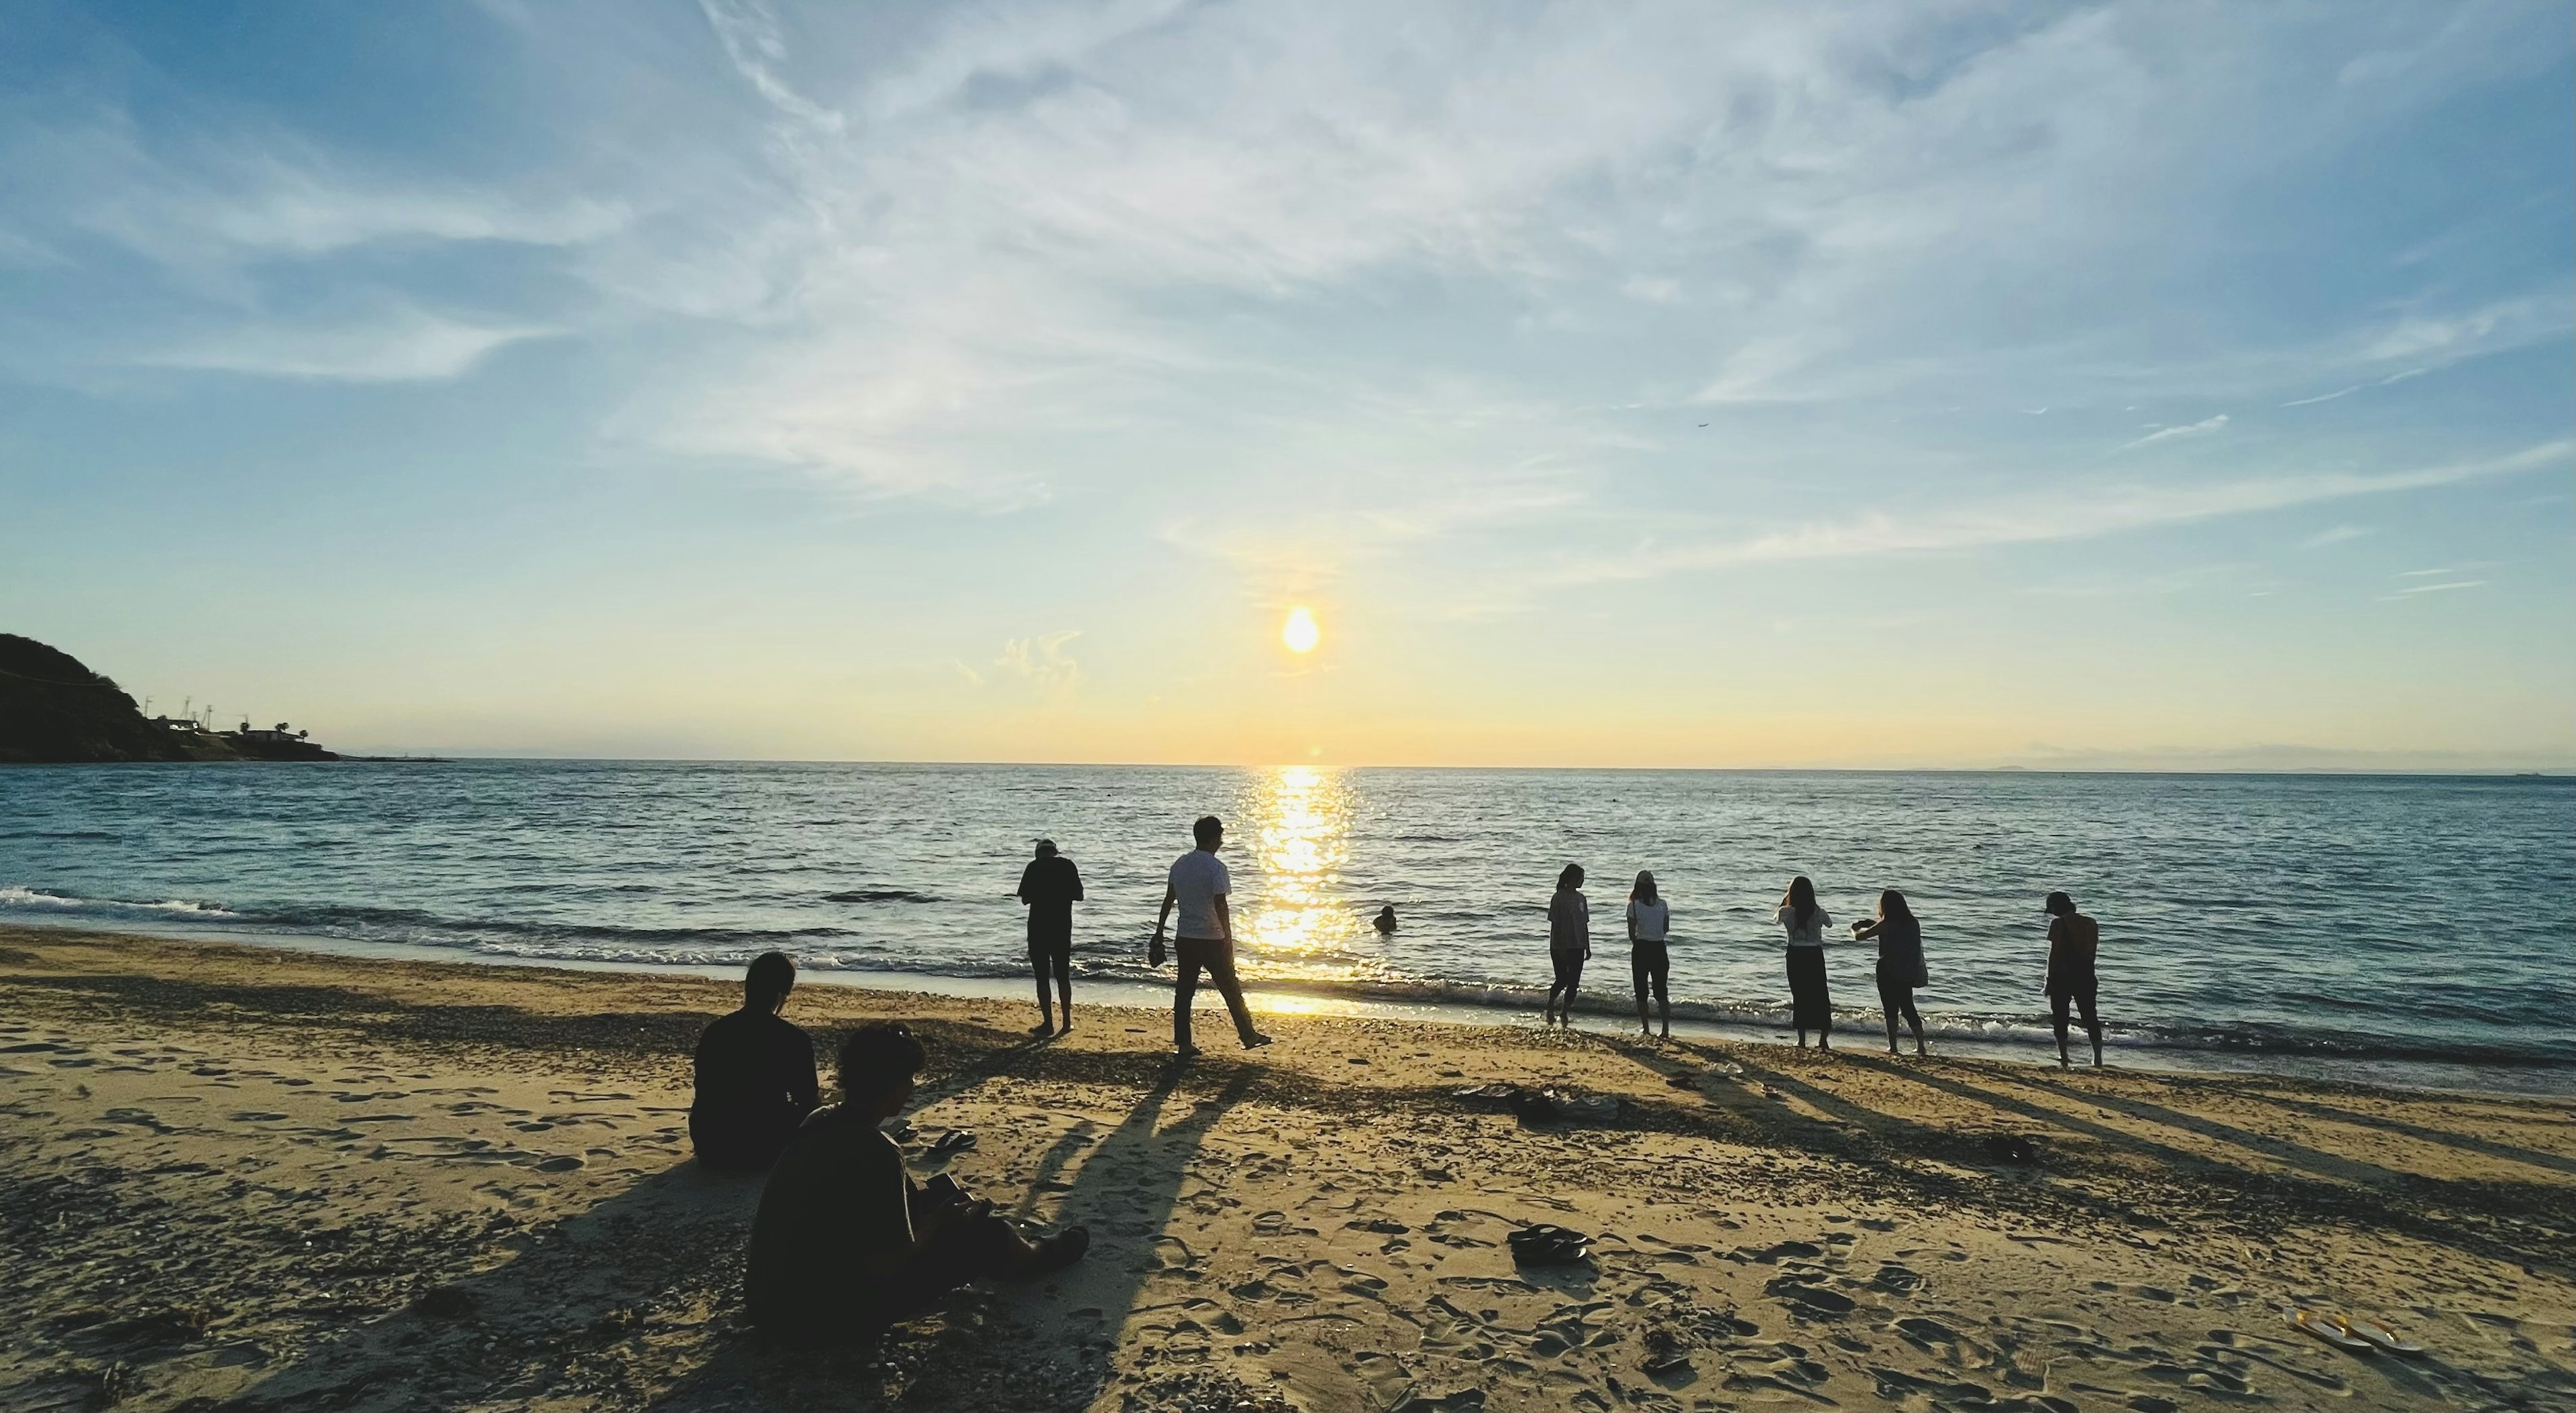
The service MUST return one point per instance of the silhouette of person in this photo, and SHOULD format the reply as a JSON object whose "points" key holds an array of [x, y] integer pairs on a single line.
{"points": [[844, 1244], [1569, 943], [1650, 962], [1198, 886], [1900, 964], [1384, 922], [1049, 887], [2073, 941], [755, 1075], [1811, 998]]}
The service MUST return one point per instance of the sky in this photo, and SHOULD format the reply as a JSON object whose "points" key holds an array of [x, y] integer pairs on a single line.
{"points": [[2154, 385]]}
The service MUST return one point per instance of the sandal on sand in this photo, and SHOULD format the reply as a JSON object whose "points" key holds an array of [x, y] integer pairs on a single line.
{"points": [[1542, 1244], [2327, 1328], [955, 1140], [2372, 1330], [1486, 1091], [1062, 1249]]}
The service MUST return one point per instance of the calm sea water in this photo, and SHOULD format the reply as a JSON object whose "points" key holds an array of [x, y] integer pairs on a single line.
{"points": [[2428, 920]]}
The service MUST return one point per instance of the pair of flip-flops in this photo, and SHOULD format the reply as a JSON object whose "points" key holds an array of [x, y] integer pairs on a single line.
{"points": [[2352, 1332], [1542, 1244]]}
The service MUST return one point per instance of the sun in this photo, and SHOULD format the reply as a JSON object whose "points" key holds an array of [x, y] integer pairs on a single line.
{"points": [[1299, 632]]}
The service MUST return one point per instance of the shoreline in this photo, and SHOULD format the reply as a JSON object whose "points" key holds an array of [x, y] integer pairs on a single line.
{"points": [[256, 1177], [2537, 1079]]}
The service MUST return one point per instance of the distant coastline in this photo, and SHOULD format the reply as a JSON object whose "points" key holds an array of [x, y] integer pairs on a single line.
{"points": [[55, 711]]}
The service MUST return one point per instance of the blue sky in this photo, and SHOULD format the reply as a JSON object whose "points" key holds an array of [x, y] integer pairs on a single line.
{"points": [[1948, 384]]}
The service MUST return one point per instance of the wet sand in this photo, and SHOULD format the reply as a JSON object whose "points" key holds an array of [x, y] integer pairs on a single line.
{"points": [[243, 1178]]}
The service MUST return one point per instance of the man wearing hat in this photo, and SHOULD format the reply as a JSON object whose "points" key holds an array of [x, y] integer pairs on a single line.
{"points": [[1050, 886]]}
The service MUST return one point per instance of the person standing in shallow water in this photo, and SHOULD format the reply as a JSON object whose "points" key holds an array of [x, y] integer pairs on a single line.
{"points": [[1900, 964], [1810, 998], [1049, 887], [2073, 941], [1198, 887], [1569, 943], [1650, 961], [754, 1075]]}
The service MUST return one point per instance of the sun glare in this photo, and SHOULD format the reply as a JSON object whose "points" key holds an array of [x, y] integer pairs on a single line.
{"points": [[1300, 633]]}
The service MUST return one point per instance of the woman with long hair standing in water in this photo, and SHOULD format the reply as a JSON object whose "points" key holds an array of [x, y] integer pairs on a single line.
{"points": [[1650, 921], [1900, 963], [1810, 998], [1569, 942]]}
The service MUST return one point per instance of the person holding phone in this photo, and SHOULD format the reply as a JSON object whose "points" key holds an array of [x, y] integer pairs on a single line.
{"points": [[1900, 963], [1810, 997], [1650, 961]]}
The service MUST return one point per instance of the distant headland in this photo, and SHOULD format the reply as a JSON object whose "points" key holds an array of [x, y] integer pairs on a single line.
{"points": [[55, 711]]}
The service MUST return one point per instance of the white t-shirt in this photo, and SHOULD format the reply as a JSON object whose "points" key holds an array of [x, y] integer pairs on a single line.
{"points": [[1198, 880], [1813, 934], [1650, 920]]}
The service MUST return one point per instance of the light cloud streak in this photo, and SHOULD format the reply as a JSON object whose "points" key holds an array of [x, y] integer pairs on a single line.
{"points": [[2035, 520]]}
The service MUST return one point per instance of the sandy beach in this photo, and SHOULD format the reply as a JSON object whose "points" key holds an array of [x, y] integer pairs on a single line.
{"points": [[245, 1178]]}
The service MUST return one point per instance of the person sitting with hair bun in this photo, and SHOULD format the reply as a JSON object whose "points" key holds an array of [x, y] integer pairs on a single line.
{"points": [[845, 1243]]}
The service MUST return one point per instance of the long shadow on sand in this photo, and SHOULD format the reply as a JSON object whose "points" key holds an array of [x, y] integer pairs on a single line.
{"points": [[2442, 1212], [645, 1265], [2448, 1138]]}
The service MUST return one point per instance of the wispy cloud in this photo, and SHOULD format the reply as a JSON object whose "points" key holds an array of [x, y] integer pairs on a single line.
{"points": [[2166, 434], [2335, 536], [1043, 664], [2033, 520], [2358, 387], [408, 345]]}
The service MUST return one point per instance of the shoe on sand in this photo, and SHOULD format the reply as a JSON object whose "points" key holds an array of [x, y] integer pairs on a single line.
{"points": [[2364, 1327], [1543, 1244], [2327, 1328], [1062, 1249], [1186, 1052]]}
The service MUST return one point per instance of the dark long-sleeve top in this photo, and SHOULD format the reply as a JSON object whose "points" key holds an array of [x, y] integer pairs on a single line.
{"points": [[755, 1084], [1900, 949]]}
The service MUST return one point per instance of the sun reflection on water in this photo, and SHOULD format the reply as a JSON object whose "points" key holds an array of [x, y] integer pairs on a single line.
{"points": [[1300, 836]]}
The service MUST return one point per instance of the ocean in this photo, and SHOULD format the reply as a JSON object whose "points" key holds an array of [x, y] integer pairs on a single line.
{"points": [[2415, 929]]}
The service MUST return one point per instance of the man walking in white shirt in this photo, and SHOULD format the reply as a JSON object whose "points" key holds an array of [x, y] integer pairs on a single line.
{"points": [[1198, 887]]}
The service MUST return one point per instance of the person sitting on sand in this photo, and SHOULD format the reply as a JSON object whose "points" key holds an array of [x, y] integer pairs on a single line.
{"points": [[1569, 942], [1650, 961], [755, 1075], [1811, 998], [844, 1244], [1384, 922], [2073, 939], [1198, 886], [1900, 963], [1049, 887]]}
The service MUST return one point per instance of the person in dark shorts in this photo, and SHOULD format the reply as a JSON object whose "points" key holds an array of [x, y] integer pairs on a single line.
{"points": [[2073, 941], [1049, 887], [1811, 997], [755, 1075], [1569, 943], [1198, 887], [1900, 964], [1650, 961], [844, 1243]]}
